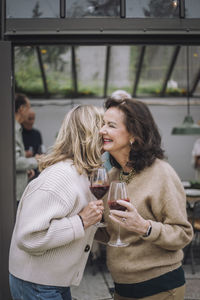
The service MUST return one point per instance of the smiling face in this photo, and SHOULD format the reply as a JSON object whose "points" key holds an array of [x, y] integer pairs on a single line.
{"points": [[116, 138]]}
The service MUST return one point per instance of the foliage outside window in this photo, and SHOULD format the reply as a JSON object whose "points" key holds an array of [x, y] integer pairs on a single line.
{"points": [[89, 70]]}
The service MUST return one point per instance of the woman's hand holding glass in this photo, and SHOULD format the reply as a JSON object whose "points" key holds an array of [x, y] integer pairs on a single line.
{"points": [[92, 213], [130, 218], [117, 191]]}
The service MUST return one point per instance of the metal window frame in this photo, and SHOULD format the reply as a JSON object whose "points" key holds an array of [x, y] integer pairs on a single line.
{"points": [[109, 25], [103, 29], [107, 71], [7, 163], [74, 71], [139, 70], [195, 83], [42, 71]]}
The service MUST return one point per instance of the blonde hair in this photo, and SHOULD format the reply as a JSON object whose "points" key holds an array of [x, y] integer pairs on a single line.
{"points": [[78, 139]]}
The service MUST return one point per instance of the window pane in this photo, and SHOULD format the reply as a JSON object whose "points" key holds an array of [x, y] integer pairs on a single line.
{"points": [[32, 9], [90, 62], [152, 8], [192, 8], [154, 68], [180, 71], [121, 68], [57, 64], [95, 8], [195, 67], [27, 72], [57, 68]]}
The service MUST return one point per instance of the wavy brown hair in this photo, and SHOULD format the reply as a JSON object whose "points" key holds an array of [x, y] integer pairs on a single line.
{"points": [[78, 139], [140, 123]]}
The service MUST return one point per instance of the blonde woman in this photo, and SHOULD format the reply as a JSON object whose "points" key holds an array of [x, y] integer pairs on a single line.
{"points": [[53, 233]]}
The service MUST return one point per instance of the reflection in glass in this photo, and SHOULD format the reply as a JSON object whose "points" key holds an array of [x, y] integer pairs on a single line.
{"points": [[192, 8], [33, 9], [92, 8], [152, 8]]}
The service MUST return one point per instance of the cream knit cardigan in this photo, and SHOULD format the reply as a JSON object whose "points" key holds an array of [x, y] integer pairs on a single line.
{"points": [[48, 242]]}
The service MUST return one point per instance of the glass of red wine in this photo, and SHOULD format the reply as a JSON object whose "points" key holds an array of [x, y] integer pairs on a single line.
{"points": [[116, 192], [99, 185]]}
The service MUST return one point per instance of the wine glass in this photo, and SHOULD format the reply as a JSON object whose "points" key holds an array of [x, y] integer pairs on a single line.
{"points": [[99, 185], [116, 192]]}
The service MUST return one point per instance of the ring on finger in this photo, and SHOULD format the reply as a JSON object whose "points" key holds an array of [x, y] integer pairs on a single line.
{"points": [[123, 219]]}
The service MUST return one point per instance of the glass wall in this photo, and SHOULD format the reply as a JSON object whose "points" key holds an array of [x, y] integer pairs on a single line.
{"points": [[192, 8], [95, 8], [56, 62], [51, 8], [90, 65], [32, 9], [122, 68], [154, 69], [152, 8], [94, 71], [101, 8]]}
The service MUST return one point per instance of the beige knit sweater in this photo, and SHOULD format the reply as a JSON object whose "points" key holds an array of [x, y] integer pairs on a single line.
{"points": [[158, 195], [49, 243]]}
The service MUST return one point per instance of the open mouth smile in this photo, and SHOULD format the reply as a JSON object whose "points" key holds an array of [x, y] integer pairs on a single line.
{"points": [[107, 140]]}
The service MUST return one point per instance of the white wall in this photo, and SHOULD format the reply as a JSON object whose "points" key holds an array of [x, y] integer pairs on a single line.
{"points": [[49, 116]]}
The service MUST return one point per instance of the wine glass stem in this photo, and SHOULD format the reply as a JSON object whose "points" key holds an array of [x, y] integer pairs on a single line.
{"points": [[118, 236]]}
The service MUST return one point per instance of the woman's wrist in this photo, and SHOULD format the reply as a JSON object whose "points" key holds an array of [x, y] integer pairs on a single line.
{"points": [[147, 229], [82, 221]]}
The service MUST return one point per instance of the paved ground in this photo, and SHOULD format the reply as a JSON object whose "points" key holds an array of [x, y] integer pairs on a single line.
{"points": [[97, 283]]}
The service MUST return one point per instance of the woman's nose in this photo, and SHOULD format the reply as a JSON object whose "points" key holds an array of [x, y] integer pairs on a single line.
{"points": [[102, 130]]}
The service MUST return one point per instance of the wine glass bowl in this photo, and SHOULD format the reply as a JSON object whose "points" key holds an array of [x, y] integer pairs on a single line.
{"points": [[117, 206], [117, 191], [99, 185]]}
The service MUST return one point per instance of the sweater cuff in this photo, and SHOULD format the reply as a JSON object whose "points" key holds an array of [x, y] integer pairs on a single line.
{"points": [[77, 226], [155, 232]]}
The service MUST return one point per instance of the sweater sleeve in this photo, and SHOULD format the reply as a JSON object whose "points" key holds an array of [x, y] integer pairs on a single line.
{"points": [[25, 163], [171, 230], [43, 222], [22, 163]]}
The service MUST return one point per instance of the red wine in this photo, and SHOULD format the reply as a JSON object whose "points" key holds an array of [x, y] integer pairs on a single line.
{"points": [[99, 190], [115, 205]]}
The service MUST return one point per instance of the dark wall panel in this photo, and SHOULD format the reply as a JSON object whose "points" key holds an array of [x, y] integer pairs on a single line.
{"points": [[7, 171]]}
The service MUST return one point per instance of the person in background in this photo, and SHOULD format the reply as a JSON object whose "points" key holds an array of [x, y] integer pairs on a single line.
{"points": [[32, 138], [155, 221], [54, 228], [24, 165], [118, 95], [196, 159]]}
